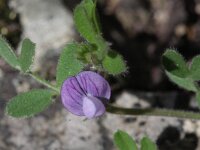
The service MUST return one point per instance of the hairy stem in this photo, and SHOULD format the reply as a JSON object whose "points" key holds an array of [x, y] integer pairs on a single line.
{"points": [[153, 112], [44, 82]]}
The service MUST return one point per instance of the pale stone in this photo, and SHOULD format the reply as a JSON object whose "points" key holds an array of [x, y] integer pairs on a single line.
{"points": [[189, 126], [47, 23]]}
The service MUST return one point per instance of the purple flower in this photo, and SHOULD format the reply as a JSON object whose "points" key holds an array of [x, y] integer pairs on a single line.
{"points": [[83, 94]]}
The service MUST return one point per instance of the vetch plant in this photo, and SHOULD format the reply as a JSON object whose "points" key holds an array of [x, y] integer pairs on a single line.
{"points": [[80, 82]]}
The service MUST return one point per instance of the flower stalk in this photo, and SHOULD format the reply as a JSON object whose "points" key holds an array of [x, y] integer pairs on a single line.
{"points": [[44, 82], [153, 112]]}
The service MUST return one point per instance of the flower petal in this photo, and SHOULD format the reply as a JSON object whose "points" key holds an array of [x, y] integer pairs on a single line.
{"points": [[92, 107], [94, 84], [83, 94], [72, 95]]}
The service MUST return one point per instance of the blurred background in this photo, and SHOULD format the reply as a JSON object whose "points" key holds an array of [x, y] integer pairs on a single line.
{"points": [[140, 30]]}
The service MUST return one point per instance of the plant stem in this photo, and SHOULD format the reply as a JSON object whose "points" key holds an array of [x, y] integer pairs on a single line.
{"points": [[44, 82], [153, 112], [132, 111]]}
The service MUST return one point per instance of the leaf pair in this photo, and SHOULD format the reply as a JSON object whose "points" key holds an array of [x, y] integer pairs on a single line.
{"points": [[32, 102], [176, 65], [25, 59], [180, 73], [125, 142], [87, 23]]}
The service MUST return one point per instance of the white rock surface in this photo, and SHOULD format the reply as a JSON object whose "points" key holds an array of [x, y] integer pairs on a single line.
{"points": [[137, 127], [45, 22], [63, 131], [79, 132]]}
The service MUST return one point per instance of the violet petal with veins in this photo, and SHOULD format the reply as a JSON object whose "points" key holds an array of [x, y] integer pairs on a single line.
{"points": [[82, 95]]}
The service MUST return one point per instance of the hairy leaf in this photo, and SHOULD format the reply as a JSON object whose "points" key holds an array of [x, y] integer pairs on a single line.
{"points": [[68, 64], [7, 53], [195, 68], [177, 70], [113, 63], [123, 141], [174, 63], [87, 23], [29, 103], [27, 55], [147, 144], [186, 83], [84, 20]]}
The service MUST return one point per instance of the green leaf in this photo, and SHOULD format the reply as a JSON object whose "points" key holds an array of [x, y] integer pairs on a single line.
{"points": [[177, 70], [123, 141], [27, 55], [29, 104], [113, 63], [87, 23], [85, 20], [7, 53], [195, 68], [68, 64], [147, 144], [186, 83], [174, 63], [95, 18]]}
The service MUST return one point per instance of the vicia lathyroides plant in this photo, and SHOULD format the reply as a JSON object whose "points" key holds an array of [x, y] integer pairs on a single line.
{"points": [[87, 93]]}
